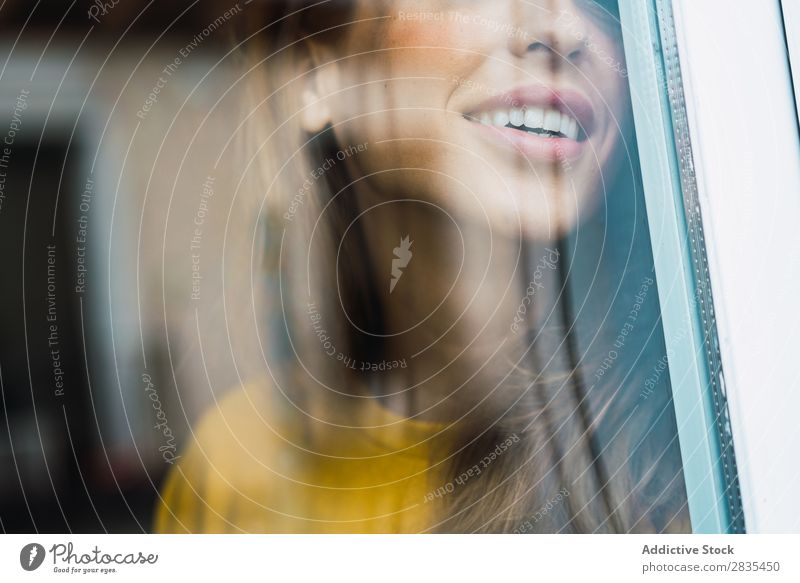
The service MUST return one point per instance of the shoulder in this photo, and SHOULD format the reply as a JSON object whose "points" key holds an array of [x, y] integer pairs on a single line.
{"points": [[253, 465], [228, 462]]}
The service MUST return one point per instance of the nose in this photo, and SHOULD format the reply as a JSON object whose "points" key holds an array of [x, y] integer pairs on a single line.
{"points": [[553, 29]]}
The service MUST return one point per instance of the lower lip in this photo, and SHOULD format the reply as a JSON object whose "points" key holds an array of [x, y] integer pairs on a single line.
{"points": [[533, 146]]}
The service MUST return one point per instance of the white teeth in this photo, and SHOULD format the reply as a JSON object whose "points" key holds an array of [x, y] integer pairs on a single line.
{"points": [[500, 118], [565, 123], [533, 118], [572, 133], [552, 121]]}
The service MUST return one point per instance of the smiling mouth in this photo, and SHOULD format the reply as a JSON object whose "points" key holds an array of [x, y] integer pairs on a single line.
{"points": [[541, 121]]}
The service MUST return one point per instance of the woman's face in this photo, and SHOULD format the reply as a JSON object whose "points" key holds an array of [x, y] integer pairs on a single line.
{"points": [[502, 111]]}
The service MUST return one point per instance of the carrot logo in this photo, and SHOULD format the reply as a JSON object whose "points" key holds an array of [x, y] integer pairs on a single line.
{"points": [[402, 256], [31, 556]]}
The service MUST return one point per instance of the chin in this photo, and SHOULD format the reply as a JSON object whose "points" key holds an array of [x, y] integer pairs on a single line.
{"points": [[539, 210]]}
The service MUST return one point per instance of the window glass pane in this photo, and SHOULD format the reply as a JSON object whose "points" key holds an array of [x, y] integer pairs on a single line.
{"points": [[463, 247]]}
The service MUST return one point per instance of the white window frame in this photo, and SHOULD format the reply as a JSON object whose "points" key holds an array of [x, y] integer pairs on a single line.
{"points": [[746, 150]]}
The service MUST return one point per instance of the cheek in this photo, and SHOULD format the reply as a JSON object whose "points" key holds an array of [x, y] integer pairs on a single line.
{"points": [[428, 38], [399, 92], [611, 73], [409, 23]]}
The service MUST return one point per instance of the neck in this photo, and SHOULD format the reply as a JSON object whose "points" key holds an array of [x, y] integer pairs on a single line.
{"points": [[450, 313]]}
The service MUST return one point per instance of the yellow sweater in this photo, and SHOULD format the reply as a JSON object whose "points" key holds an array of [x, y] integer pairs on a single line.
{"points": [[246, 471]]}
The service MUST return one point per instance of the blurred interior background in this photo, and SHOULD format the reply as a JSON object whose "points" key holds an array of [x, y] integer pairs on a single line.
{"points": [[118, 122]]}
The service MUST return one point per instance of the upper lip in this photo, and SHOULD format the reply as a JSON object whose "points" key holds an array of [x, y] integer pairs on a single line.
{"points": [[568, 101]]}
